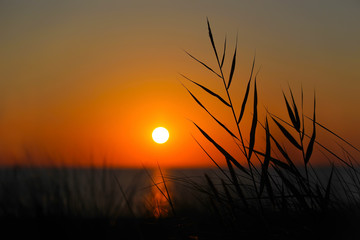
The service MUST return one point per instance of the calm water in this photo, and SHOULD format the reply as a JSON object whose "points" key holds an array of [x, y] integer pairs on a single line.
{"points": [[95, 192], [110, 192]]}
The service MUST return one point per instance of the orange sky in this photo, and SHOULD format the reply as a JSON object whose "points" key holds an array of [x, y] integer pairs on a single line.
{"points": [[87, 81]]}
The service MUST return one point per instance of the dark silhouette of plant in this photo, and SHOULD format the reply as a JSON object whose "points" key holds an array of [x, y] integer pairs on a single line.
{"points": [[277, 182]]}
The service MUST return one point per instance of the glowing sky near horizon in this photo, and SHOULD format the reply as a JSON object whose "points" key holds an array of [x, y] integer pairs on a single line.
{"points": [[94, 78]]}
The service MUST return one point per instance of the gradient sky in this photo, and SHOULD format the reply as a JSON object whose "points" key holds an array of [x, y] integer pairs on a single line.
{"points": [[83, 81]]}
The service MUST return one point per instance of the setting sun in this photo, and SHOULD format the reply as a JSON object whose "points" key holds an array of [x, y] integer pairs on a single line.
{"points": [[160, 135]]}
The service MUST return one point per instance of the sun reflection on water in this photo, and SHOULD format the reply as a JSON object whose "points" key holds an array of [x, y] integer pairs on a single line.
{"points": [[159, 197]]}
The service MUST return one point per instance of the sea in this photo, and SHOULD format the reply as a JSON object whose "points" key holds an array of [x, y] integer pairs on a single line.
{"points": [[123, 192]]}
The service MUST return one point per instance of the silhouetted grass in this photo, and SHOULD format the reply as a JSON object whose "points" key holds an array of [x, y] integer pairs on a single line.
{"points": [[278, 183]]}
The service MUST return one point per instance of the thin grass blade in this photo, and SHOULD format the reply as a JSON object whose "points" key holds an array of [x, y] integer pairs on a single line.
{"points": [[202, 63], [228, 196], [321, 145], [254, 123], [156, 185], [312, 139], [167, 191], [236, 182], [208, 91], [213, 188], [216, 164], [291, 114], [264, 174], [302, 134], [125, 197], [281, 164], [212, 40], [336, 135], [232, 68], [222, 150], [277, 162], [246, 94], [201, 105], [328, 188], [223, 56], [286, 156], [287, 134], [296, 112]]}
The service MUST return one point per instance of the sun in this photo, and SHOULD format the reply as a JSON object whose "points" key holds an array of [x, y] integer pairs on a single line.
{"points": [[160, 135]]}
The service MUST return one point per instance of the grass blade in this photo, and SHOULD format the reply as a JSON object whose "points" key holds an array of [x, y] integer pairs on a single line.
{"points": [[336, 135], [253, 125], [156, 185], [201, 105], [167, 191], [209, 68], [208, 91], [216, 164], [223, 151], [236, 182], [328, 187], [228, 196], [278, 163], [246, 94], [321, 145], [312, 139], [223, 57], [124, 196], [212, 40], [264, 174], [291, 114], [232, 68], [302, 134], [244, 102], [287, 134], [286, 156], [213, 188], [296, 112]]}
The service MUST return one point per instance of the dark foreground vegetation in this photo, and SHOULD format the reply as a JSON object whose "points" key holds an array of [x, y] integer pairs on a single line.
{"points": [[134, 204], [276, 194], [298, 226]]}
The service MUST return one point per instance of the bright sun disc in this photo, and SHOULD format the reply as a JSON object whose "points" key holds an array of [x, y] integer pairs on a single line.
{"points": [[160, 135]]}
